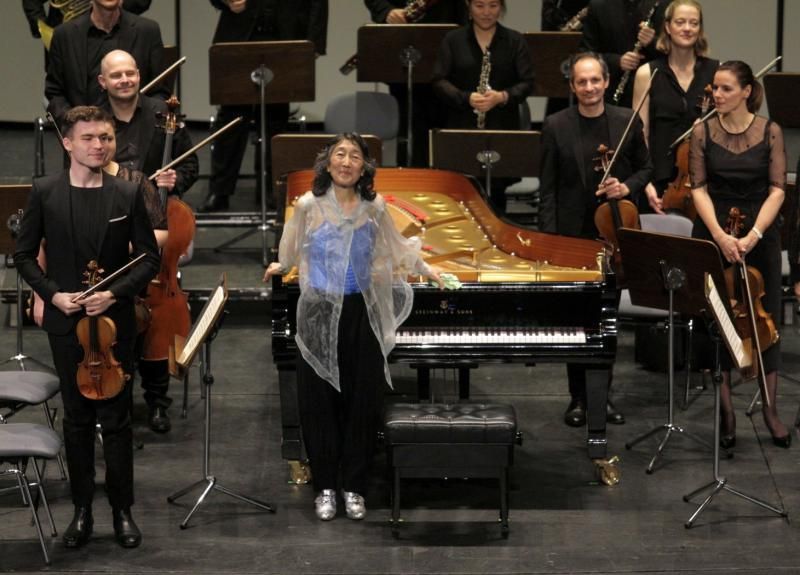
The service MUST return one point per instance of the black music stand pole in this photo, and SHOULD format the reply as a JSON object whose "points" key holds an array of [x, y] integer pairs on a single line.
{"points": [[240, 73], [720, 483], [13, 200], [416, 46], [670, 257], [209, 479]]}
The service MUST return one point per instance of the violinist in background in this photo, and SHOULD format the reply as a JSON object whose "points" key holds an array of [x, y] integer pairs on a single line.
{"points": [[737, 159], [678, 96], [140, 149], [84, 214], [569, 179]]}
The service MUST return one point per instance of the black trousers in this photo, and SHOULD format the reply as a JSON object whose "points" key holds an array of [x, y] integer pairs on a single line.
{"points": [[155, 382], [228, 150], [340, 428], [80, 417]]}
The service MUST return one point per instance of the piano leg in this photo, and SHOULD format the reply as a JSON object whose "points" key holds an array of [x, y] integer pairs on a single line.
{"points": [[292, 447], [596, 442]]}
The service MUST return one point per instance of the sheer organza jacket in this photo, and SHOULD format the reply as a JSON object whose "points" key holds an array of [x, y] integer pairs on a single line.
{"points": [[318, 239]]}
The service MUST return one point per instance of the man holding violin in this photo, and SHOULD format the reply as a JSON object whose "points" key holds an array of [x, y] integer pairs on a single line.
{"points": [[141, 146], [575, 138], [84, 215]]}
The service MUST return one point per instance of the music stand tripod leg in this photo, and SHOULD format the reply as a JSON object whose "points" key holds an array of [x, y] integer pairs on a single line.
{"points": [[208, 478], [720, 483], [674, 278], [20, 356]]}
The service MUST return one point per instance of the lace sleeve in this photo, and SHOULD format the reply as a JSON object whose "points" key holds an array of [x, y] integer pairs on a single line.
{"points": [[777, 157], [697, 156]]}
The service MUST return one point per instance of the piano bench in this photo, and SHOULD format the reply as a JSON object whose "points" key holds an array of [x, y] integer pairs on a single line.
{"points": [[471, 440]]}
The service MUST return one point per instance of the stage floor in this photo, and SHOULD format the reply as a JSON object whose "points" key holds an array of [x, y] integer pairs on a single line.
{"points": [[561, 520]]}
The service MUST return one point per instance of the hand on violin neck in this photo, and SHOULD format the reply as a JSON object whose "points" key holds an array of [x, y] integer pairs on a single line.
{"points": [[98, 302], [167, 179], [613, 189], [63, 301]]}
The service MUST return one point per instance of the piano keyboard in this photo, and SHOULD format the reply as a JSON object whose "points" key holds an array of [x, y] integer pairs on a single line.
{"points": [[499, 336]]}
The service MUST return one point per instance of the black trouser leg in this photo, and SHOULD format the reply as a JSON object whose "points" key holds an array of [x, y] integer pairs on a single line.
{"points": [[155, 382]]}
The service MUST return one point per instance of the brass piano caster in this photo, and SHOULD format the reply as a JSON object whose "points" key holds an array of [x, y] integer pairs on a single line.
{"points": [[299, 472], [607, 470]]}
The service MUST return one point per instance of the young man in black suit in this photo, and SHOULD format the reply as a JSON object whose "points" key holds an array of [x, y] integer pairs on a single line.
{"points": [[569, 181], [83, 214]]}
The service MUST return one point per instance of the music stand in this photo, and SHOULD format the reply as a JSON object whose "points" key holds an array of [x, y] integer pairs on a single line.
{"points": [[182, 354], [551, 64], [488, 153], [679, 263], [400, 53], [720, 315], [13, 200], [780, 90], [240, 73]]}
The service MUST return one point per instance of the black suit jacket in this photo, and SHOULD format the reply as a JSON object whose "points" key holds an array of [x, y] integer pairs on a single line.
{"points": [[67, 83], [34, 11], [47, 217], [148, 149], [295, 20], [563, 185]]}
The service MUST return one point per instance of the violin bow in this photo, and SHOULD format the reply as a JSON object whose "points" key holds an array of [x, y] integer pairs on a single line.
{"points": [[627, 129], [712, 111], [196, 147], [163, 75], [106, 280]]}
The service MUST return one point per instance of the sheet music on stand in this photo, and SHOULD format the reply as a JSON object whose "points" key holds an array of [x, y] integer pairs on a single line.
{"points": [[728, 332], [183, 351]]}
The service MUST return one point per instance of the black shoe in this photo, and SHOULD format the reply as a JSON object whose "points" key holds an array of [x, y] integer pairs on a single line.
{"points": [[158, 419], [575, 416], [612, 415], [785, 442], [214, 203], [125, 529], [727, 431], [80, 529]]}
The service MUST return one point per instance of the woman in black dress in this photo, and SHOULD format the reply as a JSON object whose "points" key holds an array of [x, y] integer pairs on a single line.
{"points": [[458, 73], [678, 95], [737, 159]]}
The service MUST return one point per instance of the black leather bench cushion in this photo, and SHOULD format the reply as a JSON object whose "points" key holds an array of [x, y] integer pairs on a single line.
{"points": [[476, 423]]}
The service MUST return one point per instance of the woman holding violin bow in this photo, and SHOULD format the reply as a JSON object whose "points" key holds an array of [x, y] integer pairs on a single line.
{"points": [[737, 165], [681, 93]]}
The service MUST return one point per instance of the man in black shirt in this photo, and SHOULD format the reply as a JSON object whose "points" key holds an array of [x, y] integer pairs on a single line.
{"points": [[140, 147], [569, 196], [84, 215], [257, 21], [79, 45]]}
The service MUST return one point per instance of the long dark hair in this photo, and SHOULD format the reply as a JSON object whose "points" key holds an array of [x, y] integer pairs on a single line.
{"points": [[322, 178], [744, 75]]}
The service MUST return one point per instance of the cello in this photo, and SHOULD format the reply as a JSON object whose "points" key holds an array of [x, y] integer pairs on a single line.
{"points": [[746, 288], [168, 303]]}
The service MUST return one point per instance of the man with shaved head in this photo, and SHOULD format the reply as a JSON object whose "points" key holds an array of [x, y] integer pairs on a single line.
{"points": [[140, 148]]}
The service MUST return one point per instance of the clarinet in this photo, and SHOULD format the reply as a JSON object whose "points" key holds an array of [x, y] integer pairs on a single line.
{"points": [[575, 23], [636, 48], [483, 85]]}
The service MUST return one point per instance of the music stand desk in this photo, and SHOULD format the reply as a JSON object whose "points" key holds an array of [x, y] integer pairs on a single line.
{"points": [[457, 150], [549, 51]]}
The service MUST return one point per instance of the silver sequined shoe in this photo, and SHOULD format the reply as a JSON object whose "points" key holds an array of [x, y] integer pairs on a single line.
{"points": [[326, 504], [354, 505]]}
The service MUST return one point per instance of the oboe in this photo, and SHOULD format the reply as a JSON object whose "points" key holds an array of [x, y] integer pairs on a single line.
{"points": [[575, 23], [636, 48], [483, 85]]}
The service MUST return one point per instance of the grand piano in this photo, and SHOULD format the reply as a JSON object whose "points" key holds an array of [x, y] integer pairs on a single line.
{"points": [[526, 296]]}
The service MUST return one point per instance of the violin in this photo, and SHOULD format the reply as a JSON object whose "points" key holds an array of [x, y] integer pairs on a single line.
{"points": [[746, 288], [100, 375], [678, 194], [613, 213], [168, 303]]}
